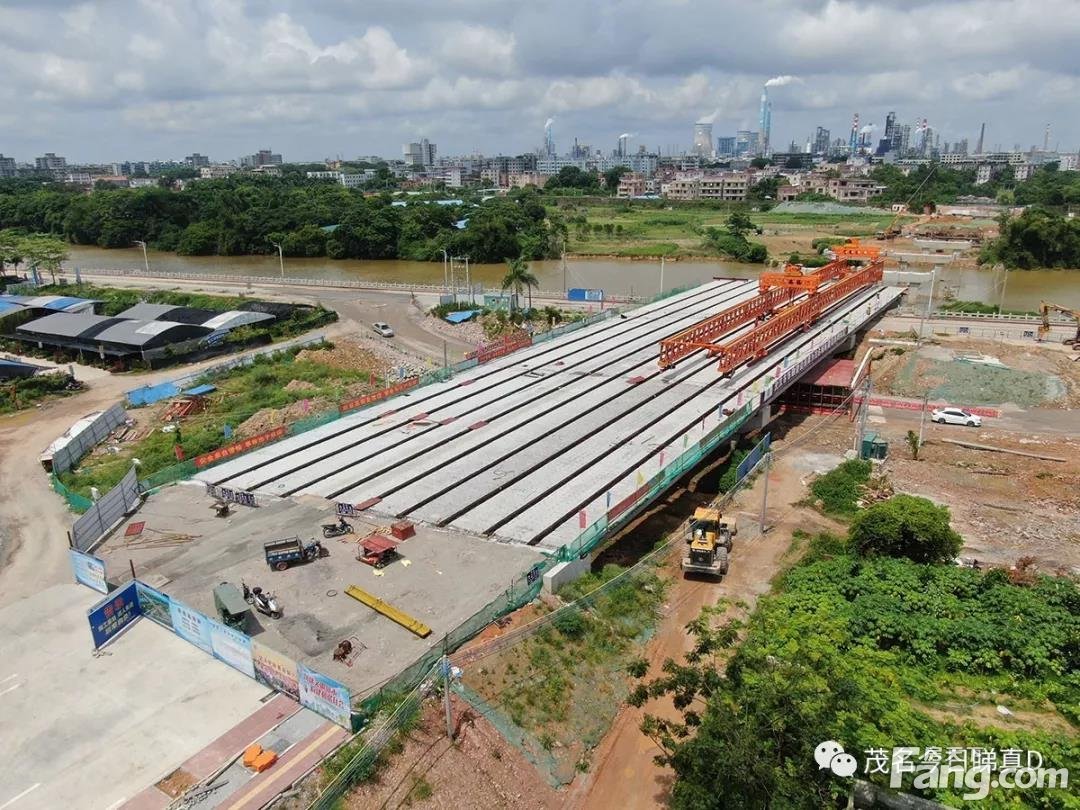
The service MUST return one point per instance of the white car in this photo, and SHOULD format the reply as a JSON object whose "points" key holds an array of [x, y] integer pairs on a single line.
{"points": [[383, 329], [955, 416]]}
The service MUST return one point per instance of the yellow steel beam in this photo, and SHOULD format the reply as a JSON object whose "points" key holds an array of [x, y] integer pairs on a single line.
{"points": [[389, 611]]}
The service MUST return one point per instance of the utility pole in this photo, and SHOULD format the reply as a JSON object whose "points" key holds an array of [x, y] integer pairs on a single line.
{"points": [[445, 277], [564, 273], [446, 692], [468, 280], [281, 257], [922, 416], [662, 274], [1004, 283], [862, 416], [146, 261], [765, 494], [445, 355]]}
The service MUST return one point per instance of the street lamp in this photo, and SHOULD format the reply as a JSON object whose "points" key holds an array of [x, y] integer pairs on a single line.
{"points": [[146, 261], [445, 277], [281, 258]]}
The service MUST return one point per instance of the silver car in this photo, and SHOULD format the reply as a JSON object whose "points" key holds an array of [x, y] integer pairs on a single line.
{"points": [[383, 329], [955, 416]]}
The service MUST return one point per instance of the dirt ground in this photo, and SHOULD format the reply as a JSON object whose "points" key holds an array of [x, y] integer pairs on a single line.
{"points": [[624, 774], [480, 770], [979, 372]]}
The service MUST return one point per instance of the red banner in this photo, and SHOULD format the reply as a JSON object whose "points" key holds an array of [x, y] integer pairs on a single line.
{"points": [[503, 346], [916, 405], [237, 448], [367, 399]]}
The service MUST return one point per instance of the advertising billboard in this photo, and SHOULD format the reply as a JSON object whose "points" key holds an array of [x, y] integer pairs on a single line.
{"points": [[275, 670], [89, 570], [324, 695], [191, 625], [113, 613], [232, 647]]}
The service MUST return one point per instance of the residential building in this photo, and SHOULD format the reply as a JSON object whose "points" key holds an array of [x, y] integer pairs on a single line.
{"points": [[197, 161], [853, 189], [7, 166], [78, 178], [522, 179], [50, 162], [631, 184], [1066, 163], [1024, 171], [725, 186], [725, 147], [141, 182], [217, 171], [335, 176]]}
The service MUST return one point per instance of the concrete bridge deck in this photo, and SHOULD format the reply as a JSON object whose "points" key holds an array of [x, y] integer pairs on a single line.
{"points": [[528, 447]]}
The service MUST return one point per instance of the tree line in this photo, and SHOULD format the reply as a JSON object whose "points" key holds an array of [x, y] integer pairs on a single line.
{"points": [[246, 215]]}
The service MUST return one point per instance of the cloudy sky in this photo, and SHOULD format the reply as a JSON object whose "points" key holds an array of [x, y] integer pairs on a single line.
{"points": [[114, 79]]}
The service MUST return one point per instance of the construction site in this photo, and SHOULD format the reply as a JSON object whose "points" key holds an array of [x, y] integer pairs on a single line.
{"points": [[459, 492]]}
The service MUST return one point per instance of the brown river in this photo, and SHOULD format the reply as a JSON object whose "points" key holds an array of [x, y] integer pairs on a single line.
{"points": [[1023, 290]]}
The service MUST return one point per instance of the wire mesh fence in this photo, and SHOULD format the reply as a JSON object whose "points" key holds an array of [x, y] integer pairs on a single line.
{"points": [[355, 761], [75, 501]]}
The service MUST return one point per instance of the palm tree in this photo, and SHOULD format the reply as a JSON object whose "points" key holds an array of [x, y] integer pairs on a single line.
{"points": [[519, 275]]}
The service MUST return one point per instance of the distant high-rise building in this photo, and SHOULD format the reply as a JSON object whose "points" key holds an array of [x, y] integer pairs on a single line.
{"points": [[419, 155], [264, 157], [982, 134], [960, 147], [622, 148], [549, 141], [725, 147], [854, 139], [703, 139], [7, 166], [50, 162], [764, 122], [821, 141], [746, 142], [197, 161]]}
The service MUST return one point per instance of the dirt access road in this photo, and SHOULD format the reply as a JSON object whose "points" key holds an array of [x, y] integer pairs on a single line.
{"points": [[624, 774], [35, 522]]}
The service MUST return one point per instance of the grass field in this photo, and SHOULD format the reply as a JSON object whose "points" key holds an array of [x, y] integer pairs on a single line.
{"points": [[676, 230], [295, 389]]}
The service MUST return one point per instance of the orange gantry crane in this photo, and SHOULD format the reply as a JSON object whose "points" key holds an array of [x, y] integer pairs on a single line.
{"points": [[772, 308], [755, 344], [702, 334]]}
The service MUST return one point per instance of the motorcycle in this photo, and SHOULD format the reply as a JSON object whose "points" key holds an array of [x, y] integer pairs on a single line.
{"points": [[265, 603], [337, 529], [315, 550]]}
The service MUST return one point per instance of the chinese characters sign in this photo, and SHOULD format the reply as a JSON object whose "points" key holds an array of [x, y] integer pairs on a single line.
{"points": [[112, 614], [324, 695]]}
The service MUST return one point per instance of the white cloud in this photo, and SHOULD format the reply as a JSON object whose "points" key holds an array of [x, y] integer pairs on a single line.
{"points": [[215, 75]]}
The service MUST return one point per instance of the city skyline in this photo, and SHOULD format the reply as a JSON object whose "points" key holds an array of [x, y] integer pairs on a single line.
{"points": [[318, 81]]}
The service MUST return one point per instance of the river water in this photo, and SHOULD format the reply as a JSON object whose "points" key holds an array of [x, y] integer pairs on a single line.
{"points": [[1023, 290]]}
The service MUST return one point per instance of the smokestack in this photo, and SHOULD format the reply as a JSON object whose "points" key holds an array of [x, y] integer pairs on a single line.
{"points": [[982, 134]]}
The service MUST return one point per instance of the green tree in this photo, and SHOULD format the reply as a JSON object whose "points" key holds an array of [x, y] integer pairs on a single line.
{"points": [[11, 248], [518, 275], [44, 251], [612, 177], [739, 224], [913, 444], [906, 526]]}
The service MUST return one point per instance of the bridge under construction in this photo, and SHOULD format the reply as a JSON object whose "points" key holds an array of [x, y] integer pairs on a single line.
{"points": [[536, 446]]}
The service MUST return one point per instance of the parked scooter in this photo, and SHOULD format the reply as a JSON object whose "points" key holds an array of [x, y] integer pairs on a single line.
{"points": [[337, 529], [265, 603]]}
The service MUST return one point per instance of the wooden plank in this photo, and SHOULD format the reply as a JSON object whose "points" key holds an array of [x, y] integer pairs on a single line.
{"points": [[992, 449]]}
